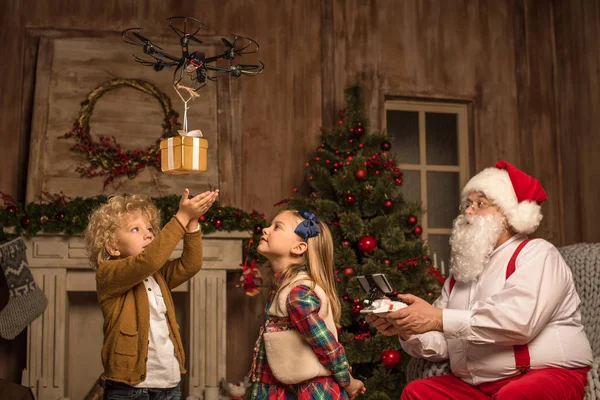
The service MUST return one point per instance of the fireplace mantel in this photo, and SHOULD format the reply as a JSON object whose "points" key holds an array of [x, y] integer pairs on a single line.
{"points": [[60, 267]]}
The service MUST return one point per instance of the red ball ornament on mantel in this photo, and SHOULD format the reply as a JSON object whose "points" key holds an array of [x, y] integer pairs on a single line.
{"points": [[346, 243], [412, 220], [349, 272], [391, 358], [360, 174], [258, 229], [367, 244], [202, 218], [388, 204], [399, 181], [218, 223], [418, 230], [349, 199], [386, 146], [359, 131]]}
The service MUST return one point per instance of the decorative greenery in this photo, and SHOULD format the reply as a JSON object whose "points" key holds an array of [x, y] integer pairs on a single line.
{"points": [[105, 156], [354, 184], [62, 215]]}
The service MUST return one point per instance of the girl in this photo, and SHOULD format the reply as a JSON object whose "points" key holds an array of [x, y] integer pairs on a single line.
{"points": [[297, 354]]}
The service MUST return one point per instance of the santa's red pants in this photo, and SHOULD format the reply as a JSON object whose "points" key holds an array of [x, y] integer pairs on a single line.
{"points": [[546, 383]]}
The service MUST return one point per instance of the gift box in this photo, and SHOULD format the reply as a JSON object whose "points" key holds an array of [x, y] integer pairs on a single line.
{"points": [[184, 154]]}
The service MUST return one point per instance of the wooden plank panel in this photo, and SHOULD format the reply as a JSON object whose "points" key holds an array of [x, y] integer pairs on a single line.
{"points": [[577, 36]]}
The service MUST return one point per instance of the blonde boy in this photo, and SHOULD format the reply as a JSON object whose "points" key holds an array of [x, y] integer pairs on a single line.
{"points": [[142, 353]]}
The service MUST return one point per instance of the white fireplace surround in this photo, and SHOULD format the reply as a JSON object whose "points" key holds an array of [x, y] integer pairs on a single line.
{"points": [[59, 266]]}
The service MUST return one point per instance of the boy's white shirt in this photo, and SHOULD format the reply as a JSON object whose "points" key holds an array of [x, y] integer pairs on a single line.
{"points": [[162, 366]]}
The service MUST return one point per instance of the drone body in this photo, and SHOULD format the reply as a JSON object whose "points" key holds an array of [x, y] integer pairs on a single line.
{"points": [[195, 65]]}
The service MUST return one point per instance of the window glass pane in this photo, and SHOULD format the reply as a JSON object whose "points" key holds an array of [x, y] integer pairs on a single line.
{"points": [[441, 138], [442, 198], [403, 126], [411, 186], [440, 246]]}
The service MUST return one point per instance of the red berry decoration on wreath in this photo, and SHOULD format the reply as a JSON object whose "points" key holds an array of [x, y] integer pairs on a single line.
{"points": [[391, 358], [418, 230], [360, 174], [11, 209], [367, 244]]}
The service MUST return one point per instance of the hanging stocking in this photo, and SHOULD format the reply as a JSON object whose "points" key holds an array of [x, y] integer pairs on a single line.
{"points": [[26, 301]]}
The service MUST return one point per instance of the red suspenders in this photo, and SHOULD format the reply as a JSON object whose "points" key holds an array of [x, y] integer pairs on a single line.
{"points": [[522, 359]]}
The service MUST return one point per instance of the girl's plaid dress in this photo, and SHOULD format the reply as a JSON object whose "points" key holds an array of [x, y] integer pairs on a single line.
{"points": [[303, 307]]}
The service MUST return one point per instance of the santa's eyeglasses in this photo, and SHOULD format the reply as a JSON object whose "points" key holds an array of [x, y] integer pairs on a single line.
{"points": [[476, 206]]}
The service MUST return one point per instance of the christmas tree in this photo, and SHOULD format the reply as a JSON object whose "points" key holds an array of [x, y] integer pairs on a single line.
{"points": [[354, 185]]}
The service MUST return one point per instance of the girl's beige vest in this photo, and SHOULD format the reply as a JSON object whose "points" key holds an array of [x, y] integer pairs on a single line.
{"points": [[291, 359]]}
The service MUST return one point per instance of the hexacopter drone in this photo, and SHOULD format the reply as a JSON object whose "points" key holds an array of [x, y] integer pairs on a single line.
{"points": [[194, 64]]}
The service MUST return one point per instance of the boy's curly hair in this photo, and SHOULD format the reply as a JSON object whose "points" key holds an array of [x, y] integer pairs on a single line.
{"points": [[107, 219]]}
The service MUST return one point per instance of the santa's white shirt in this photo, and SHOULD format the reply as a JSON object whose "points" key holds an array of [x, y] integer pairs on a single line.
{"points": [[483, 319]]}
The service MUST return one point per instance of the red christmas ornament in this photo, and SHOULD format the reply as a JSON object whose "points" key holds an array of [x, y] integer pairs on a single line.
{"points": [[25, 221], [386, 261], [218, 223], [258, 229], [346, 297], [412, 220], [385, 145], [418, 230], [359, 131], [360, 174], [355, 301], [60, 215], [399, 181], [391, 358], [349, 272], [349, 199], [357, 307], [346, 243], [364, 325], [388, 204], [11, 209], [367, 244], [202, 218]]}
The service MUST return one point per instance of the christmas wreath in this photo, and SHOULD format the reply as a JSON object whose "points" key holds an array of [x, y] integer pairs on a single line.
{"points": [[105, 156]]}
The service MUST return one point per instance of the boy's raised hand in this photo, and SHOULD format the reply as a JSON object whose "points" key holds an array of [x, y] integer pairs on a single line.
{"points": [[190, 209]]}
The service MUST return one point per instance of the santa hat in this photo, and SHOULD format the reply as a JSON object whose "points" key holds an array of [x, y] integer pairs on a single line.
{"points": [[516, 193]]}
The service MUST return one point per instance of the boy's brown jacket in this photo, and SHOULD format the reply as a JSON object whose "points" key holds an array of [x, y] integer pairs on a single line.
{"points": [[124, 301]]}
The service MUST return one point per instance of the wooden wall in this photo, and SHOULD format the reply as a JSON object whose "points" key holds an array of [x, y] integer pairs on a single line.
{"points": [[529, 69]]}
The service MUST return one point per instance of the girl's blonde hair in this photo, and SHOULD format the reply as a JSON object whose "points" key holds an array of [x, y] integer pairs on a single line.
{"points": [[107, 219], [318, 259]]}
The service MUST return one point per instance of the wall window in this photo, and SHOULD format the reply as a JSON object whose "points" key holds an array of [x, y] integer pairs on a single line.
{"points": [[431, 143]]}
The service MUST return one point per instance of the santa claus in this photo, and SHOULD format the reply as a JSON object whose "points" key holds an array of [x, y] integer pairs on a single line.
{"points": [[508, 318]]}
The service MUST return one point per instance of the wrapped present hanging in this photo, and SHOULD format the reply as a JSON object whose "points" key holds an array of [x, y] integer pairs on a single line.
{"points": [[184, 154]]}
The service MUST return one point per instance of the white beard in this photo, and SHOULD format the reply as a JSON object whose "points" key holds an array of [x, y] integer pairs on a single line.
{"points": [[473, 240]]}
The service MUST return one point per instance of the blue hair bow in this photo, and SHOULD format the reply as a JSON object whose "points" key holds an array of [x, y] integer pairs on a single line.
{"points": [[307, 228]]}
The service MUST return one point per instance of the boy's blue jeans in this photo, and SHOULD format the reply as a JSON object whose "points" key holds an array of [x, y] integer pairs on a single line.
{"points": [[121, 391]]}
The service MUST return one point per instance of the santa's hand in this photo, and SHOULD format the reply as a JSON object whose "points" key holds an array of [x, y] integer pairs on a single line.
{"points": [[382, 325], [418, 317]]}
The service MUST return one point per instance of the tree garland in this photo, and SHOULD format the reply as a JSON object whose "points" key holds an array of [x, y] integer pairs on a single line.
{"points": [[105, 156], [60, 214]]}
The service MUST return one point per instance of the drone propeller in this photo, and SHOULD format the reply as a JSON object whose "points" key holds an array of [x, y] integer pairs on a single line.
{"points": [[184, 32], [138, 39]]}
